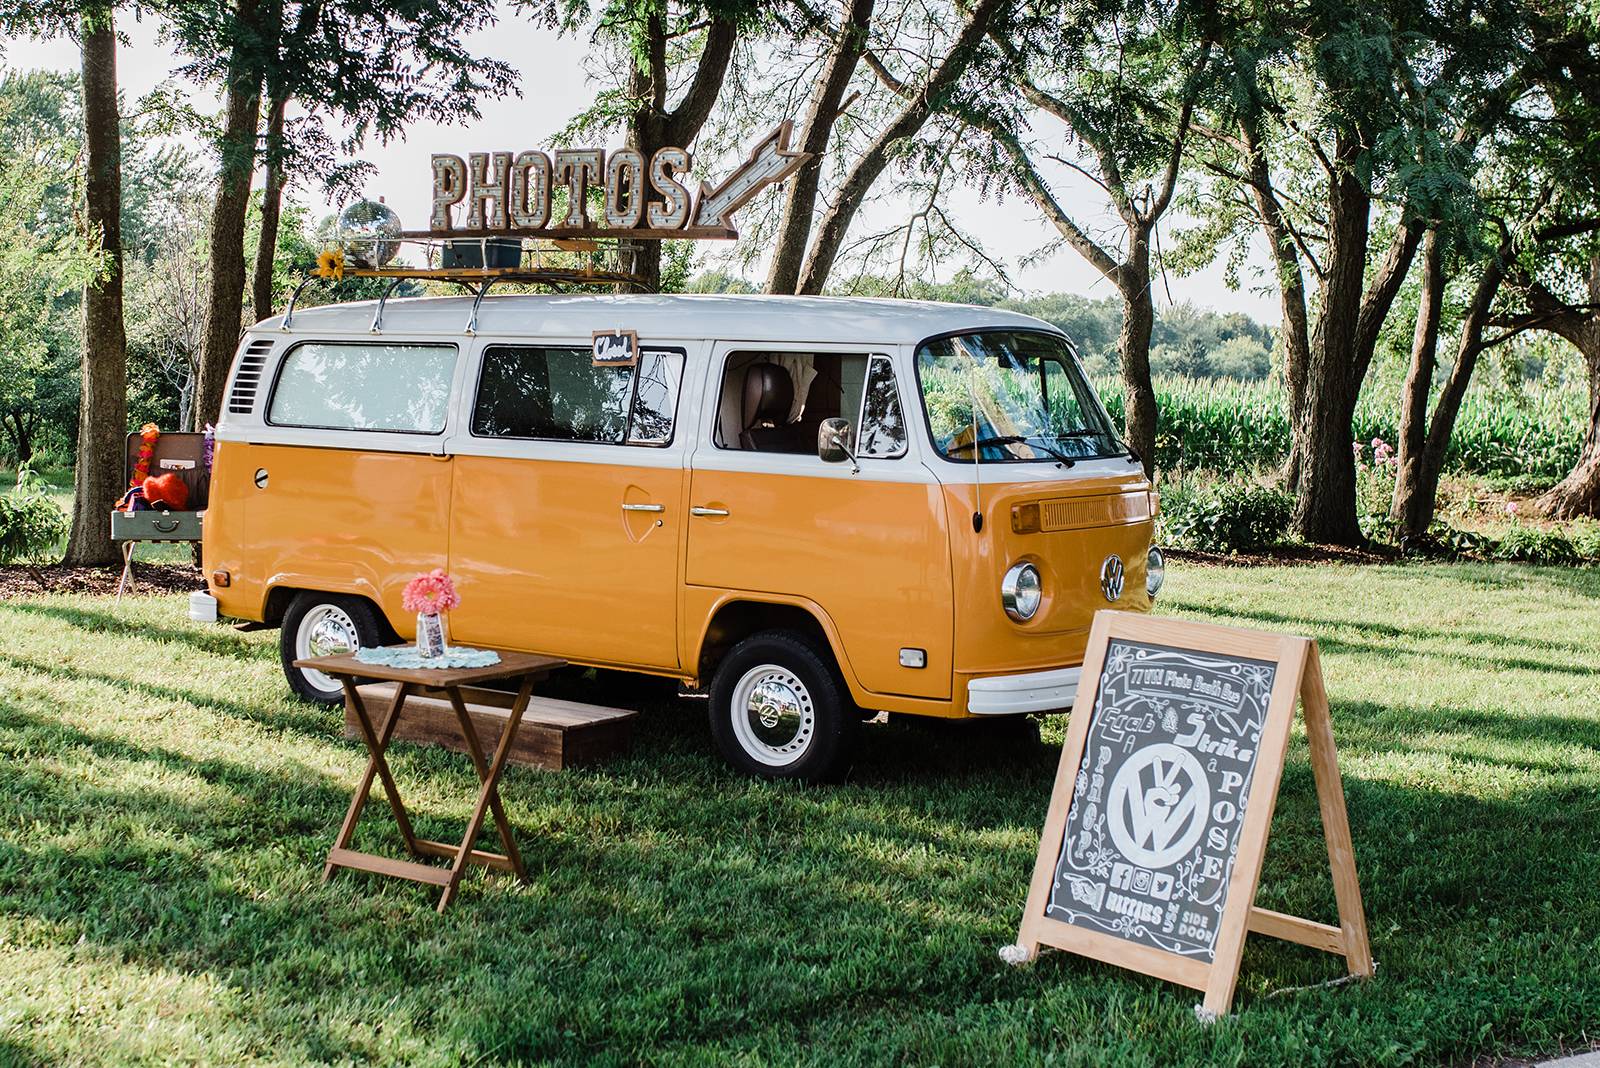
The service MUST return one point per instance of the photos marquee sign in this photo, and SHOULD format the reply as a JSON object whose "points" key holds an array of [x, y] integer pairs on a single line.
{"points": [[515, 194], [1157, 827]]}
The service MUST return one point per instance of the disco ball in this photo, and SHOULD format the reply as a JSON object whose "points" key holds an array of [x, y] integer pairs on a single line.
{"points": [[361, 229]]}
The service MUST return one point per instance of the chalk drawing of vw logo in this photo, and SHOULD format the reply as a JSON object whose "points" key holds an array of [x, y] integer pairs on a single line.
{"points": [[1157, 805]]}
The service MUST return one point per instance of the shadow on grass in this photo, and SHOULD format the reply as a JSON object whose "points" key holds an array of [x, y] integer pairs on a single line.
{"points": [[221, 641], [700, 906], [312, 720], [679, 910], [1300, 623]]}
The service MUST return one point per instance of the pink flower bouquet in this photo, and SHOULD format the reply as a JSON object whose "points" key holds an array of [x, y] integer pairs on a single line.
{"points": [[430, 593], [429, 596]]}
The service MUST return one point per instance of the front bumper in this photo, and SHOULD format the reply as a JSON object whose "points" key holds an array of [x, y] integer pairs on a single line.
{"points": [[1035, 691]]}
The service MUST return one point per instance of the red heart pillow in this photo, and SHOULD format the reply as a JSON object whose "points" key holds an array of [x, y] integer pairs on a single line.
{"points": [[167, 489]]}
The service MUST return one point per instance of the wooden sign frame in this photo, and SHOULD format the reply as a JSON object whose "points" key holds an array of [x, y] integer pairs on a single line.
{"points": [[1299, 675], [633, 348]]}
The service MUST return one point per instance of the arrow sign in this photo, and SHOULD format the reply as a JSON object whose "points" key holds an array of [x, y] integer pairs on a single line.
{"points": [[769, 162]]}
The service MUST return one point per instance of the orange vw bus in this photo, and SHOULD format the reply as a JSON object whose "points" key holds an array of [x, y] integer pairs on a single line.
{"points": [[822, 508]]}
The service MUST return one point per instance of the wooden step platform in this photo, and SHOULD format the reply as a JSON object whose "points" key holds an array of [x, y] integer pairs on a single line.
{"points": [[554, 734]]}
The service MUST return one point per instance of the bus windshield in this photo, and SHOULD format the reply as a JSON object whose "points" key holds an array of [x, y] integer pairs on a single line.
{"points": [[1010, 396]]}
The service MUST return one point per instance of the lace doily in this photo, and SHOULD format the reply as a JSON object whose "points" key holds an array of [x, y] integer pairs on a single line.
{"points": [[406, 656]]}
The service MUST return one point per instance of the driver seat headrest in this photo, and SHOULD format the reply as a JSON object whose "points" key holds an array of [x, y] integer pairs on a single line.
{"points": [[768, 395]]}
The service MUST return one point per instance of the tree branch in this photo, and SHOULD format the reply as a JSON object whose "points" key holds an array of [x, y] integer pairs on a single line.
{"points": [[691, 113], [1039, 191]]}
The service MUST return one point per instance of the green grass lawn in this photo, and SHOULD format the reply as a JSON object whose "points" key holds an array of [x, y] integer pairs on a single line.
{"points": [[166, 809]]}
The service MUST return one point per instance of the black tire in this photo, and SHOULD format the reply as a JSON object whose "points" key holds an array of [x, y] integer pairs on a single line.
{"points": [[809, 728], [340, 613]]}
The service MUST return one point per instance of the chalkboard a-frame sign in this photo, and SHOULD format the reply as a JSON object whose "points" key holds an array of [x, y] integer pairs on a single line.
{"points": [[1158, 823]]}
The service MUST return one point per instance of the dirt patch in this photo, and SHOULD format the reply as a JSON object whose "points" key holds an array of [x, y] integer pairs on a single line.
{"points": [[18, 581], [1288, 556]]}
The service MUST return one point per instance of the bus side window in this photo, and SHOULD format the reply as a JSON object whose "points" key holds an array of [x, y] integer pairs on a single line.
{"points": [[655, 398], [390, 388], [883, 423]]}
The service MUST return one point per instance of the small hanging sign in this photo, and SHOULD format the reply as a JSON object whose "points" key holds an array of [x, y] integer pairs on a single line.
{"points": [[1163, 801], [615, 348]]}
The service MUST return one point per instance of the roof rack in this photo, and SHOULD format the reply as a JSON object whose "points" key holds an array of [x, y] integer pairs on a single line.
{"points": [[560, 263]]}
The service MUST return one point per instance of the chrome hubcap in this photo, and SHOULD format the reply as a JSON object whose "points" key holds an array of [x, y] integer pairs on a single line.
{"points": [[773, 715], [326, 630]]}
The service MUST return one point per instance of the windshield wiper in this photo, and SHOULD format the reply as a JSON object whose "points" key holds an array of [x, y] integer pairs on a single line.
{"points": [[1015, 439], [983, 443], [1082, 432]]}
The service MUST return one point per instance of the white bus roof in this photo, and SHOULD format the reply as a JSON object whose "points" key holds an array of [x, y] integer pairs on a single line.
{"points": [[718, 316]]}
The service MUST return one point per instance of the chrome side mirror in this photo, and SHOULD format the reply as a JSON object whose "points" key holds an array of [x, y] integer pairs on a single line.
{"points": [[833, 443]]}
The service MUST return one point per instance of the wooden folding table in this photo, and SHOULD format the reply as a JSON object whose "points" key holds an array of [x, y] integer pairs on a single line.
{"points": [[449, 681]]}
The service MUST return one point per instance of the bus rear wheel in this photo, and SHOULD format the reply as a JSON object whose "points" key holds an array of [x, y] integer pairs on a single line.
{"points": [[779, 711], [324, 624]]}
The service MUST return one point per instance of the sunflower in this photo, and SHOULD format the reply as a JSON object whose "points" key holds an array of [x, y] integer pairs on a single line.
{"points": [[330, 264]]}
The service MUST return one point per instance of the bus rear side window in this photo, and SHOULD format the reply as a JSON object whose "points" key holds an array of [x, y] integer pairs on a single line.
{"points": [[557, 394], [401, 389]]}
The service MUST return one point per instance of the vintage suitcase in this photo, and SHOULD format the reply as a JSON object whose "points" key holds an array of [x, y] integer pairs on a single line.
{"points": [[155, 525], [183, 453]]}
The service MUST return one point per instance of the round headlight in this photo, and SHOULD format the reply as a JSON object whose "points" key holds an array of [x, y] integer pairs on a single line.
{"points": [[1155, 571], [1021, 592]]}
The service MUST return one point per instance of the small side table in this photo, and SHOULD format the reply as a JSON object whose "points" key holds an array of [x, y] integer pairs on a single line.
{"points": [[348, 670]]}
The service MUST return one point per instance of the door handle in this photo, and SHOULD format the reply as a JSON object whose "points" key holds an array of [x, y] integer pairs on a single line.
{"points": [[708, 511], [644, 508]]}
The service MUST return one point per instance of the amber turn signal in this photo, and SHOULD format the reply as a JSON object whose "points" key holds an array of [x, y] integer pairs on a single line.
{"points": [[220, 578], [1025, 518]]}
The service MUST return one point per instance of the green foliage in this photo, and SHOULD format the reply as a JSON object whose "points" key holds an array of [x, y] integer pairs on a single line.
{"points": [[719, 282], [1229, 426], [1535, 546], [31, 523], [1224, 517], [1576, 546], [42, 263], [1093, 324]]}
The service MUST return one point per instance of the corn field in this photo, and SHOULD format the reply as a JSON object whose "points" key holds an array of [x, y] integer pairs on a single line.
{"points": [[1228, 425]]}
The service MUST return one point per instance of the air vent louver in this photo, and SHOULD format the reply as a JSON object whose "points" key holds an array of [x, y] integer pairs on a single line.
{"points": [[247, 380]]}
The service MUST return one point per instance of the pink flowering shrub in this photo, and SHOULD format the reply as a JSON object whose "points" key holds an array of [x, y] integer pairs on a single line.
{"points": [[430, 592]]}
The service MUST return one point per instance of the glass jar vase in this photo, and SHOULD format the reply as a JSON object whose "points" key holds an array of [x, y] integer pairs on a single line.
{"points": [[430, 634]]}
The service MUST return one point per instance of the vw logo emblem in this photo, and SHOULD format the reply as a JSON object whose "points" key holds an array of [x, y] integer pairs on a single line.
{"points": [[1111, 577]]}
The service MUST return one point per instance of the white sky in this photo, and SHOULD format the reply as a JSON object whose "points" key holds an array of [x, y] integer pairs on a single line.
{"points": [[555, 86]]}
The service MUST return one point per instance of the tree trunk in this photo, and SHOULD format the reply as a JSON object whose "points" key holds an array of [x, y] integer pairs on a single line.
{"points": [[271, 211], [1417, 488], [103, 410], [225, 302], [1133, 350], [1325, 505], [186, 406], [21, 432], [1408, 509], [801, 201], [1295, 333], [1579, 493], [652, 126]]}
